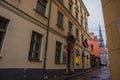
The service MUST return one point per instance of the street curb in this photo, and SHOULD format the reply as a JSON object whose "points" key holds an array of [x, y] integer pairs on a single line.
{"points": [[79, 73], [67, 77]]}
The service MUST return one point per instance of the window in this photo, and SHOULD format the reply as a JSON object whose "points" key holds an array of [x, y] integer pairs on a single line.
{"points": [[3, 27], [80, 9], [61, 1], [58, 52], [35, 46], [69, 27], [76, 2], [91, 47], [60, 19], [77, 33], [82, 39], [41, 6], [86, 26], [81, 21], [77, 58], [70, 7], [64, 58], [76, 15]]}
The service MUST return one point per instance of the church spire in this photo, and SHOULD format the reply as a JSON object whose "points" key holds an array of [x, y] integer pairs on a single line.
{"points": [[101, 38], [100, 34]]}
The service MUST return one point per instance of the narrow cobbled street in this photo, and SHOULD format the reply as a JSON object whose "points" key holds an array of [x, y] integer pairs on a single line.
{"points": [[98, 74]]}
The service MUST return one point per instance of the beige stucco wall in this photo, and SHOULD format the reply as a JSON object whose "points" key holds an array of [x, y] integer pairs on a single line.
{"points": [[15, 49], [112, 20], [16, 43], [29, 6]]}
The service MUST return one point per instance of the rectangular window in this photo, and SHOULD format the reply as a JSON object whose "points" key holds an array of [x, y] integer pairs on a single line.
{"points": [[41, 6], [76, 16], [64, 58], [58, 52], [3, 27], [80, 9], [77, 58], [77, 34], [81, 21], [61, 1], [76, 2], [69, 27], [70, 7], [35, 46], [82, 39], [91, 47], [86, 26], [60, 19]]}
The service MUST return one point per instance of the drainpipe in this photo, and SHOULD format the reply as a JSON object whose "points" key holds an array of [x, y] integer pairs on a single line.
{"points": [[46, 45]]}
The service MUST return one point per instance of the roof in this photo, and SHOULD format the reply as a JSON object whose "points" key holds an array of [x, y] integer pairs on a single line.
{"points": [[85, 8]]}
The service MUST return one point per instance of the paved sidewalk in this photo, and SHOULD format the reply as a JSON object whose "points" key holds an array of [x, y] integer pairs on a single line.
{"points": [[70, 76]]}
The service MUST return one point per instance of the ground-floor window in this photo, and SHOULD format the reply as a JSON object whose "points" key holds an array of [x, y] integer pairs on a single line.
{"points": [[58, 52], [77, 58], [35, 46], [3, 27]]}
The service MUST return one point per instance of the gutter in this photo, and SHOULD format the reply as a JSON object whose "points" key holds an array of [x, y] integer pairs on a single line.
{"points": [[46, 45]]}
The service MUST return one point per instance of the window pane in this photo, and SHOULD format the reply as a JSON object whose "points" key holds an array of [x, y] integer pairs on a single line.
{"points": [[76, 15], [3, 23], [37, 47], [77, 32], [70, 27], [36, 56], [70, 7], [60, 19], [64, 58], [1, 37]]}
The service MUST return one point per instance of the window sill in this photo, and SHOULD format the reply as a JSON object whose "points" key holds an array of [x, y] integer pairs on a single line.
{"points": [[35, 60], [60, 27], [63, 63], [40, 13], [60, 63]]}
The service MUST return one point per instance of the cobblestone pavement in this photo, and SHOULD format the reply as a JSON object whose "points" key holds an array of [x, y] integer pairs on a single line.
{"points": [[98, 74]]}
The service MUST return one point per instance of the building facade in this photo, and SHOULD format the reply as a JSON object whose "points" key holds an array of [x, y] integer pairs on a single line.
{"points": [[95, 50], [25, 52], [111, 14]]}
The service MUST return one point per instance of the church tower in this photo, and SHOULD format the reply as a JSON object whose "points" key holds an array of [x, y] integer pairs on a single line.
{"points": [[103, 50], [101, 38]]}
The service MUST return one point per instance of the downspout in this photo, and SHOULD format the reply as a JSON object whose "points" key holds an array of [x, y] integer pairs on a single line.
{"points": [[46, 45]]}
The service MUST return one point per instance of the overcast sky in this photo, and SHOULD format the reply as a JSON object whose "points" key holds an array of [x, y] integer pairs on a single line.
{"points": [[96, 17]]}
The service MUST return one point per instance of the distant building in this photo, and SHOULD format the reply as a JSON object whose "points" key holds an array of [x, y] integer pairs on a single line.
{"points": [[94, 50], [103, 49], [23, 42], [111, 12]]}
